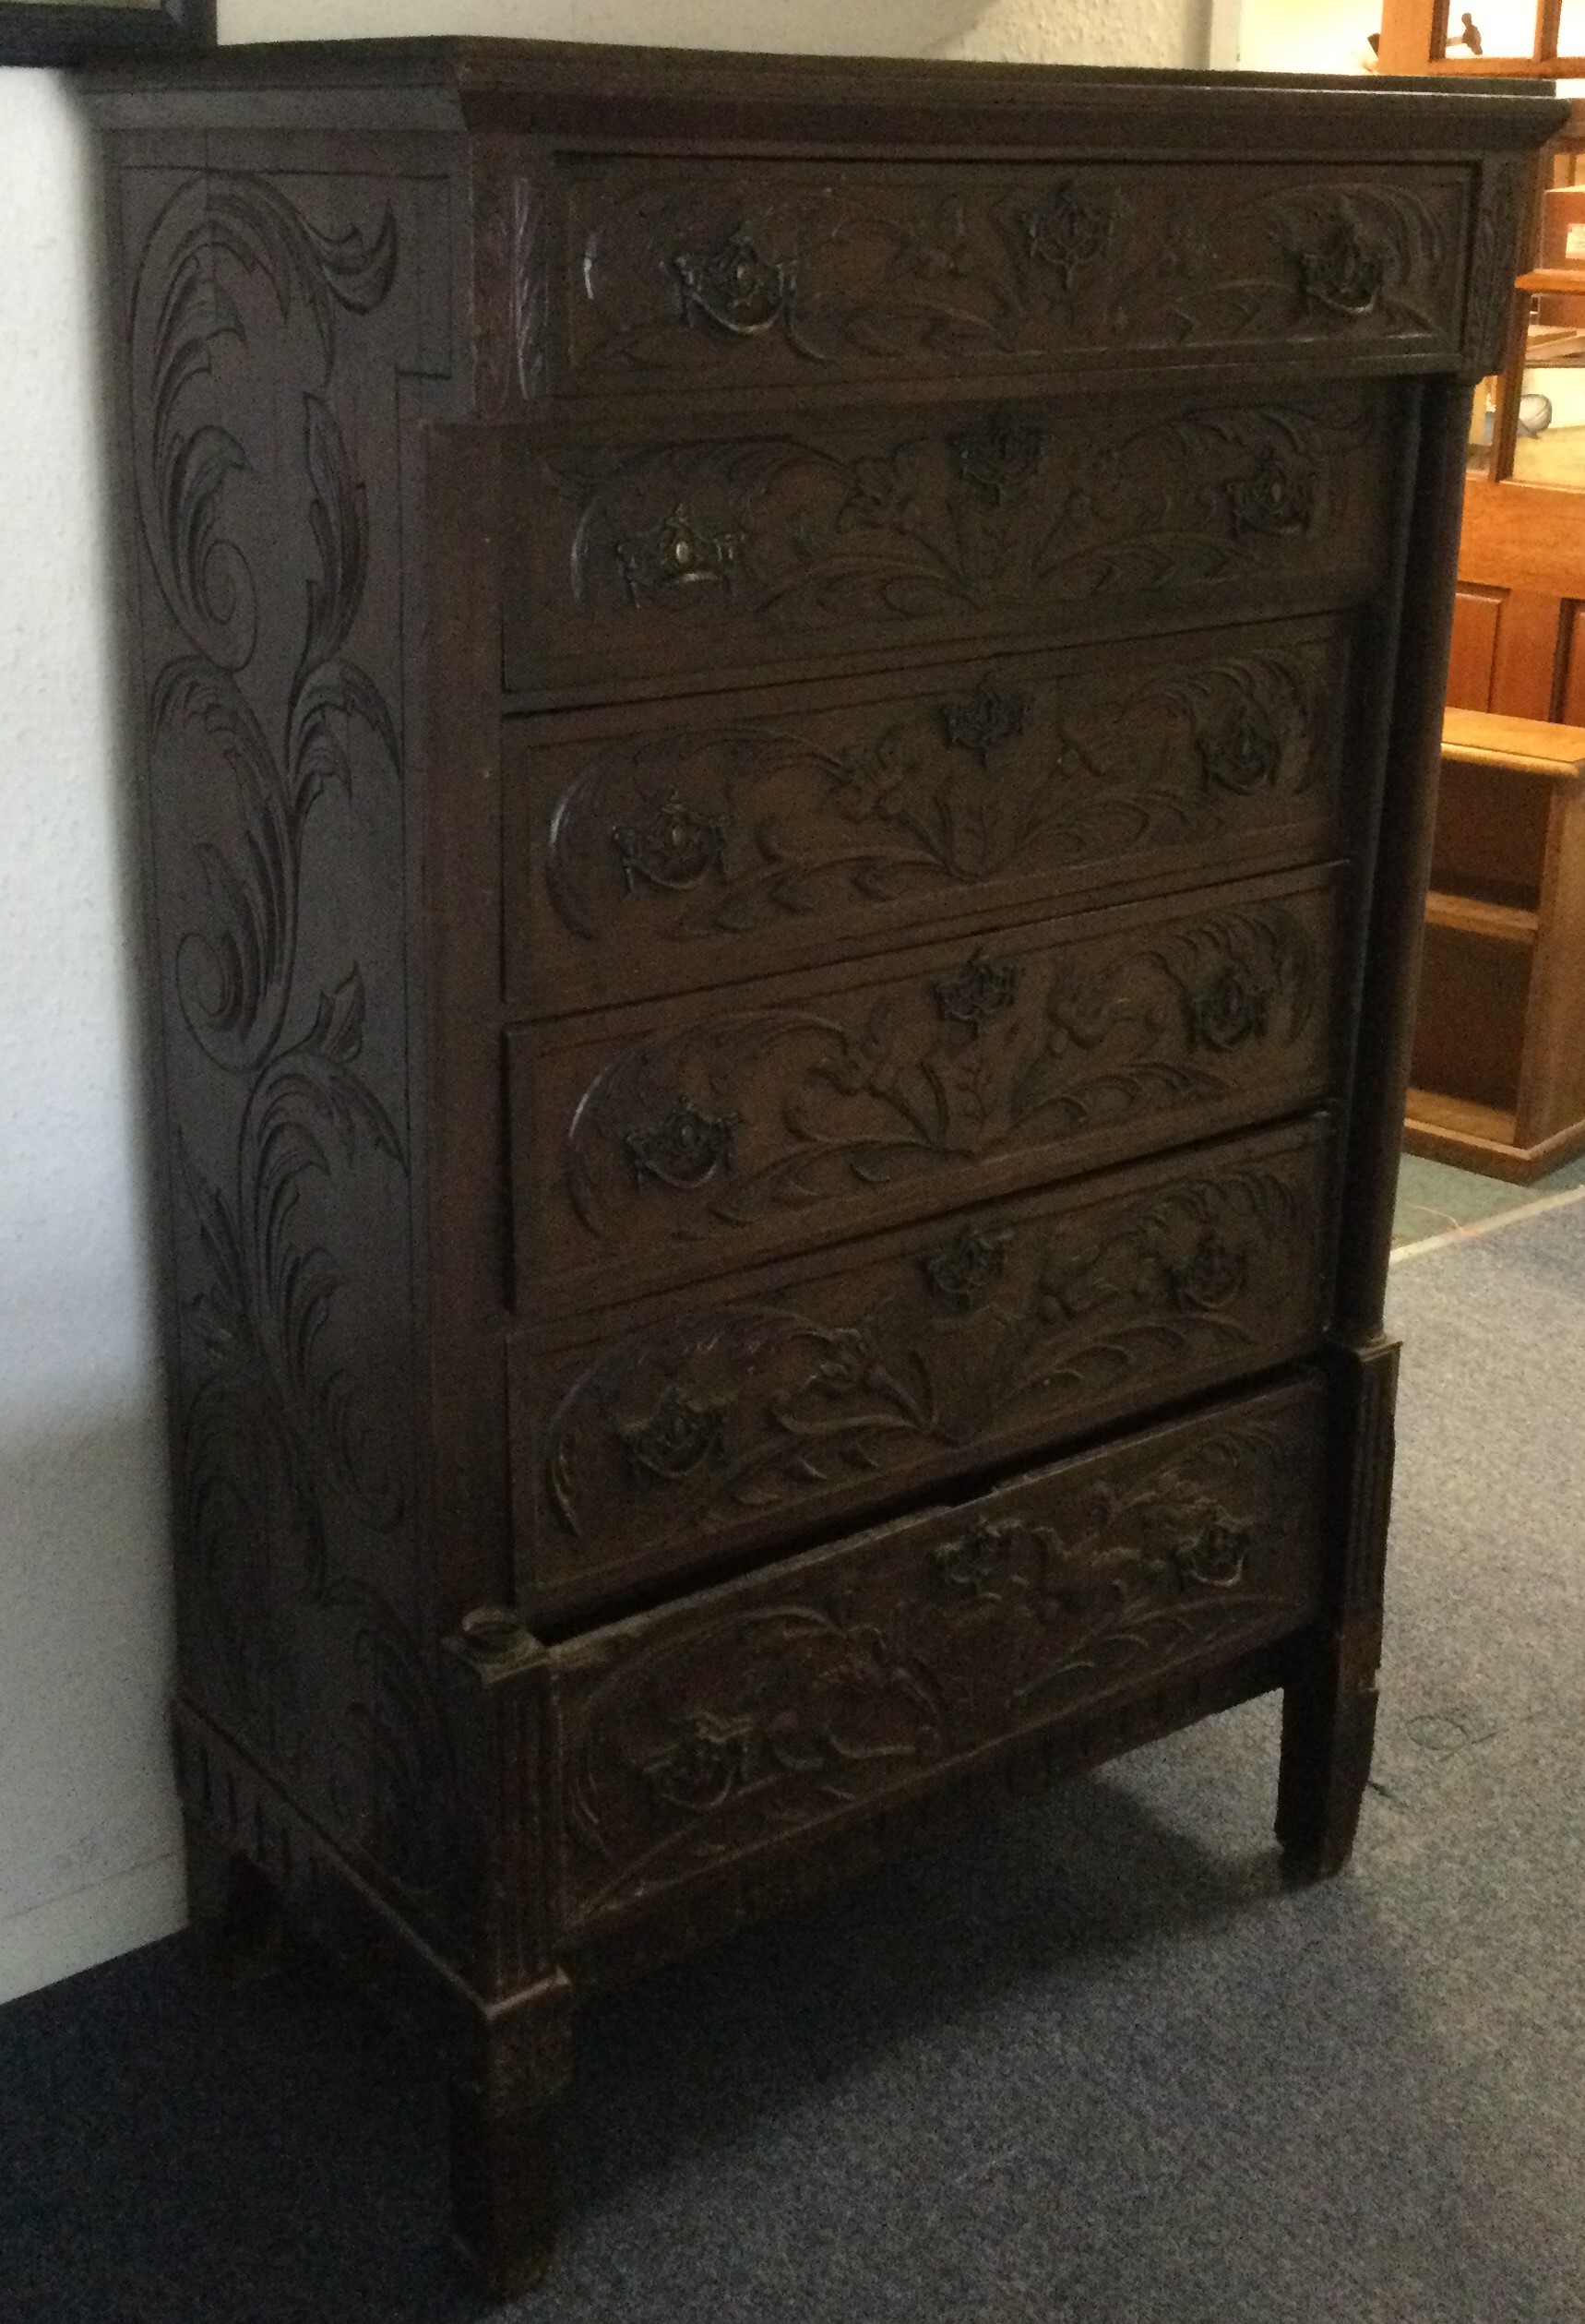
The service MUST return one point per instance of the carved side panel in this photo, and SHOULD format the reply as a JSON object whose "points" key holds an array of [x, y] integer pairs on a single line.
{"points": [[1506, 180], [661, 1152], [883, 531], [657, 856], [268, 320], [794, 1397], [783, 272], [774, 1707]]}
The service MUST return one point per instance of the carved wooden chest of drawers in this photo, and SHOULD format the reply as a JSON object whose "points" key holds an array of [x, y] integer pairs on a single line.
{"points": [[789, 712]]}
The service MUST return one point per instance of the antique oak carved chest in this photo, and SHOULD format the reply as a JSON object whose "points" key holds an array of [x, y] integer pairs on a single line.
{"points": [[789, 712]]}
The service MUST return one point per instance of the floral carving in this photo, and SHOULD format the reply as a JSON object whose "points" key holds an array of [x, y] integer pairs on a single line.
{"points": [[673, 852], [1216, 1554], [808, 819], [684, 1149], [980, 990], [785, 269], [1241, 748], [762, 1413], [1277, 497], [678, 1437], [1211, 1276], [854, 524], [1230, 1008], [963, 1270], [705, 1763], [999, 456], [980, 723], [872, 1088], [973, 1562], [1071, 231], [779, 1702]]}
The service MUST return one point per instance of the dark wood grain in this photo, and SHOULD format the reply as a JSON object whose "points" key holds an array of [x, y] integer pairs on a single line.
{"points": [[689, 550], [787, 743], [674, 1434], [664, 1143], [642, 856]]}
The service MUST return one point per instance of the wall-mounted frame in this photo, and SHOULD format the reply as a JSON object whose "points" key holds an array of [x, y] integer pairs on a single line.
{"points": [[67, 31]]}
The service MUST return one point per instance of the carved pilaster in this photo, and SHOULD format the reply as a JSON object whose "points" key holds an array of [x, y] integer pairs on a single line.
{"points": [[497, 1679]]}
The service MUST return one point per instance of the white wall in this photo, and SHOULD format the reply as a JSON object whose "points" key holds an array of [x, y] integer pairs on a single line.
{"points": [[1306, 36], [89, 1864]]}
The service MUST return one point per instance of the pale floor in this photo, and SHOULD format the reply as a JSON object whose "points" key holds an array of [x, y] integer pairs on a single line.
{"points": [[1433, 1199]]}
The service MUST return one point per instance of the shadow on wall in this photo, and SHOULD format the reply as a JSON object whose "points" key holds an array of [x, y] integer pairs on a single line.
{"points": [[83, 1756]]}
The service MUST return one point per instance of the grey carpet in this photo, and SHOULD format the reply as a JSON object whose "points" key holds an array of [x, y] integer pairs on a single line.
{"points": [[1090, 2064]]}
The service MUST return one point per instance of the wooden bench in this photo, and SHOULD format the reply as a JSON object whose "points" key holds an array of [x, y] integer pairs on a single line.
{"points": [[1499, 1074]]}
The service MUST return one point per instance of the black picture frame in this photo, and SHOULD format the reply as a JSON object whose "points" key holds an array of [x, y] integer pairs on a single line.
{"points": [[45, 32]]}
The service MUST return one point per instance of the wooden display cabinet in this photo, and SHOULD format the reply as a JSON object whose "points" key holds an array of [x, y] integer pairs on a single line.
{"points": [[1499, 1076]]}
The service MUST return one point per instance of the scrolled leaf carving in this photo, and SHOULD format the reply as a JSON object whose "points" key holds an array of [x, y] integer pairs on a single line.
{"points": [[734, 828], [297, 1494], [759, 1413], [760, 273], [765, 1708], [742, 1120]]}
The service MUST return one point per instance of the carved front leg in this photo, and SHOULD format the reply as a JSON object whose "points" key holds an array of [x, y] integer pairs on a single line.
{"points": [[1329, 1729], [504, 2207], [234, 1911], [1328, 1711]]}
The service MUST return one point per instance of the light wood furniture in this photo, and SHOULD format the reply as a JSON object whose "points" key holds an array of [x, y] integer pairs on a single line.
{"points": [[790, 712], [1497, 1081]]}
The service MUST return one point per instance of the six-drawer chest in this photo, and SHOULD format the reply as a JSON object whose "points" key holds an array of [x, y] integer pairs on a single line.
{"points": [[788, 711]]}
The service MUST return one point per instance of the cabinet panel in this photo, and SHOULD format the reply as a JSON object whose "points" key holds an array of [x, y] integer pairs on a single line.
{"points": [[666, 1438], [768, 274], [646, 854], [700, 551], [662, 1145], [732, 1721]]}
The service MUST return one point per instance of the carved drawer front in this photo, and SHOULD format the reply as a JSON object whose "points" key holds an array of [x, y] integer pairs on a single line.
{"points": [[661, 1143], [814, 537], [649, 853], [686, 1431], [744, 1716], [694, 276]]}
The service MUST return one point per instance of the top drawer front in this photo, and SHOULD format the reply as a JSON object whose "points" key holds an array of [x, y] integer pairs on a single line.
{"points": [[730, 275], [864, 533]]}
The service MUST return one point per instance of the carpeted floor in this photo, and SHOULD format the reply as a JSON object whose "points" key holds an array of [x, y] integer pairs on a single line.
{"points": [[1091, 2064]]}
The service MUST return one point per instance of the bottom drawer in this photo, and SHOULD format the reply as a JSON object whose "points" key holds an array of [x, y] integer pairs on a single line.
{"points": [[831, 1683]]}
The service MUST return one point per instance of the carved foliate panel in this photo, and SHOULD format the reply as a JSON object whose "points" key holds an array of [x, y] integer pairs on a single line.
{"points": [[880, 529], [268, 319], [844, 1102], [738, 1419], [749, 1714], [781, 272], [666, 853]]}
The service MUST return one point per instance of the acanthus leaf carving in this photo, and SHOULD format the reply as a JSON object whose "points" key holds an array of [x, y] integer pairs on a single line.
{"points": [[782, 1703], [725, 830], [296, 1495], [758, 1411], [731, 1121], [1018, 266]]}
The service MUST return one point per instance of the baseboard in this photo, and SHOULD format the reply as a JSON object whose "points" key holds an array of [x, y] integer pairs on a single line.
{"points": [[78, 1932]]}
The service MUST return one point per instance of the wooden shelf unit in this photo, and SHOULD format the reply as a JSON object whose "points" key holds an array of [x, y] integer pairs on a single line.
{"points": [[1498, 1078]]}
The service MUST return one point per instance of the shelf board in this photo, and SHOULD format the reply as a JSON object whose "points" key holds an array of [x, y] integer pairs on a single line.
{"points": [[1484, 1138], [1474, 916], [1515, 746]]}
